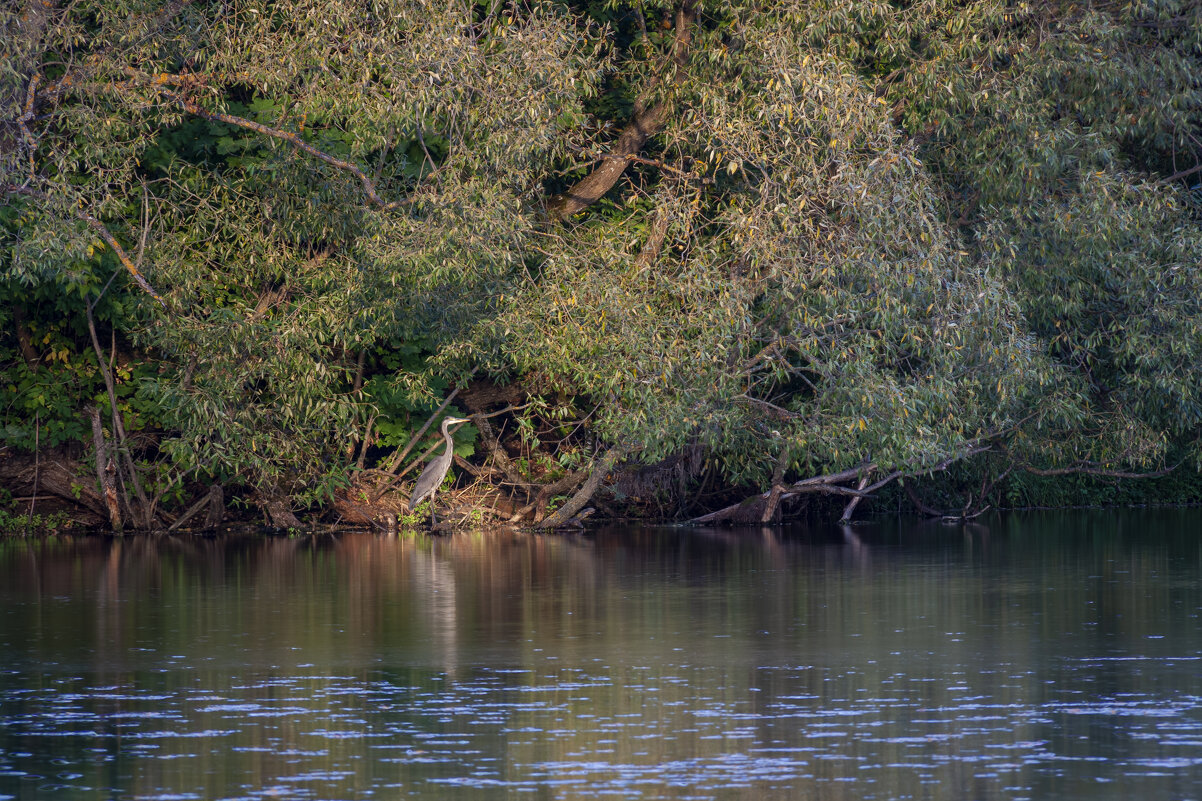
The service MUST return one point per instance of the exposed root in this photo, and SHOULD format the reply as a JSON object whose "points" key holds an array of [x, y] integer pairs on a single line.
{"points": [[368, 501]]}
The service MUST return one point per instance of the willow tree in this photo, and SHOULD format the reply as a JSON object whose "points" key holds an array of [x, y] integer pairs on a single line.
{"points": [[782, 291]]}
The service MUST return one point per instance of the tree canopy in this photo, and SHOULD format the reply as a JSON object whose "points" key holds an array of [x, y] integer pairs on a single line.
{"points": [[812, 246]]}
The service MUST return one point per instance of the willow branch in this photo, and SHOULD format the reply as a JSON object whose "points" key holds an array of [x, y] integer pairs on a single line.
{"points": [[105, 234], [133, 270], [1183, 174], [1090, 470], [369, 186]]}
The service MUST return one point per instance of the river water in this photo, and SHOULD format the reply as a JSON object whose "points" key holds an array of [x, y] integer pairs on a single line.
{"points": [[1050, 656]]}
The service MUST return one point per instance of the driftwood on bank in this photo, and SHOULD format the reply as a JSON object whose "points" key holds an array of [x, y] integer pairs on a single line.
{"points": [[58, 478], [831, 484], [548, 491]]}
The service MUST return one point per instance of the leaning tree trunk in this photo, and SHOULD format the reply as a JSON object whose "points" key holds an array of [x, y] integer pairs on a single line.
{"points": [[647, 121], [574, 504]]}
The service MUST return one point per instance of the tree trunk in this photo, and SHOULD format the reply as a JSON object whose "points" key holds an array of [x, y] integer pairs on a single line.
{"points": [[592, 187], [850, 509], [24, 338], [106, 471], [646, 122], [772, 506], [143, 516], [215, 513], [278, 507]]}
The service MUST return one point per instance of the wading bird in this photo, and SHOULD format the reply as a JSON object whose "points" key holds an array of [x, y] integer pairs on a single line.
{"points": [[431, 478]]}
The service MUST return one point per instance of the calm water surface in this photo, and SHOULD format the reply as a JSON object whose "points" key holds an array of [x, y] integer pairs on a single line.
{"points": [[1030, 657]]}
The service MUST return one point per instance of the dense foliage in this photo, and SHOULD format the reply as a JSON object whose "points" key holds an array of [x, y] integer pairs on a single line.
{"points": [[792, 239]]}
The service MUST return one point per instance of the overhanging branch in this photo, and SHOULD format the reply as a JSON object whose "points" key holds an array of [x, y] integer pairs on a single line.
{"points": [[105, 234], [832, 484], [1093, 470], [369, 186]]}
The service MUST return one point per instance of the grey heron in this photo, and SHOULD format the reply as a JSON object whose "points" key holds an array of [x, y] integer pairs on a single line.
{"points": [[431, 478]]}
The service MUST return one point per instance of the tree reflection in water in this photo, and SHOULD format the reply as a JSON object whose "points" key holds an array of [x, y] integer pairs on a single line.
{"points": [[1052, 657]]}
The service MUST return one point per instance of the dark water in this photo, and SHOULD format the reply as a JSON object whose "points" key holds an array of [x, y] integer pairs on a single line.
{"points": [[1038, 657]]}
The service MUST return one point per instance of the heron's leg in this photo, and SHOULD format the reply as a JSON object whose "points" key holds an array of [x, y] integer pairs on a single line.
{"points": [[433, 517]]}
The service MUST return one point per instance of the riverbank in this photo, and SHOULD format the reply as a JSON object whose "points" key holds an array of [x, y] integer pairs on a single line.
{"points": [[57, 492]]}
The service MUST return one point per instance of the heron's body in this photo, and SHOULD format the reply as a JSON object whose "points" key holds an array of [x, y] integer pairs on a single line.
{"points": [[431, 478]]}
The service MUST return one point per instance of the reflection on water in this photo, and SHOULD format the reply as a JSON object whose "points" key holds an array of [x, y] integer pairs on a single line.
{"points": [[1039, 657]]}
